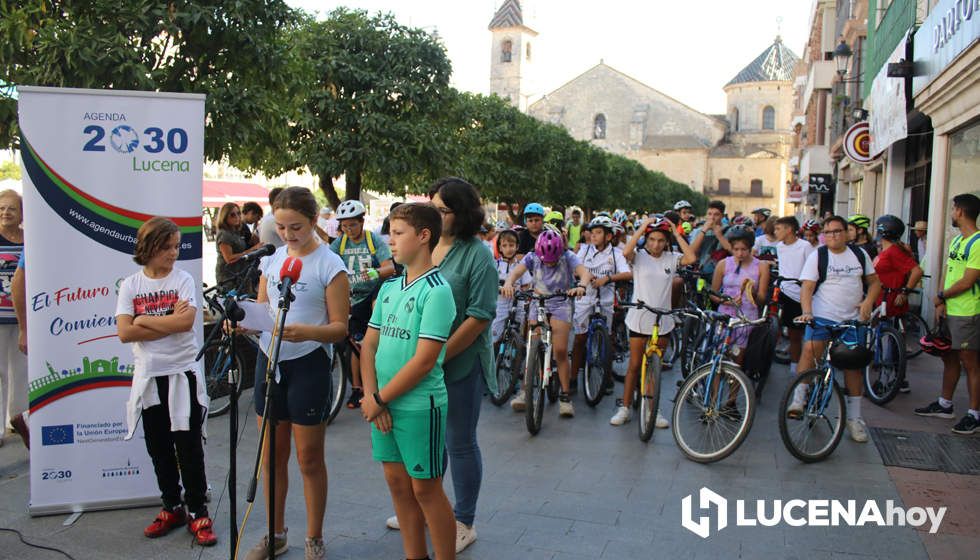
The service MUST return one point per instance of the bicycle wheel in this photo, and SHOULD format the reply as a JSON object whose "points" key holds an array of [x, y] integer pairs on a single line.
{"points": [[712, 418], [913, 327], [621, 347], [598, 364], [534, 389], [815, 435], [554, 387], [649, 397], [339, 373], [509, 359], [883, 377], [217, 362], [672, 350], [691, 337]]}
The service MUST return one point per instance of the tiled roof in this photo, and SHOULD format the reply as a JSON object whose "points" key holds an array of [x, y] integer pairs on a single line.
{"points": [[509, 15], [776, 63], [673, 142]]}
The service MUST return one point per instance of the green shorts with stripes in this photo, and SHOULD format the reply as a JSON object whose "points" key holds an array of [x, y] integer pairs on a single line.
{"points": [[417, 440]]}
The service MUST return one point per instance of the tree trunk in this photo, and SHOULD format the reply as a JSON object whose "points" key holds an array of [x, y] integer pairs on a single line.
{"points": [[327, 186], [353, 178]]}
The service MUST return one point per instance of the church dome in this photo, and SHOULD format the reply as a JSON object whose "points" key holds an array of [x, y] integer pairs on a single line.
{"points": [[776, 63]]}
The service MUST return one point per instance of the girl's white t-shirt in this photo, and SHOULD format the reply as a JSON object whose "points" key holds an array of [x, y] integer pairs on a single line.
{"points": [[141, 295], [309, 307], [652, 284]]}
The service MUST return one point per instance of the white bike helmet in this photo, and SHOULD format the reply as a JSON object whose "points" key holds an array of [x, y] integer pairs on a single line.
{"points": [[681, 205], [350, 209]]}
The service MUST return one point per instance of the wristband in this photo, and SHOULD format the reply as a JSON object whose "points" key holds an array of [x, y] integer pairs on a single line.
{"points": [[372, 273], [941, 296], [377, 399]]}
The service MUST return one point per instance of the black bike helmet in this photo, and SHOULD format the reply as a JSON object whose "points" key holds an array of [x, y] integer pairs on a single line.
{"points": [[849, 356], [890, 227], [743, 233]]}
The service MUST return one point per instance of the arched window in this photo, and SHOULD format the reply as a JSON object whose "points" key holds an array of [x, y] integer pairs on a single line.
{"points": [[735, 119], [599, 127], [755, 187], [506, 50], [528, 55], [768, 118]]}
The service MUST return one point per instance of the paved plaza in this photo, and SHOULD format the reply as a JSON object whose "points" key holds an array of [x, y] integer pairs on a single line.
{"points": [[580, 489]]}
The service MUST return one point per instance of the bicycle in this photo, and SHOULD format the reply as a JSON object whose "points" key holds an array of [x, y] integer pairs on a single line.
{"points": [[910, 325], [539, 376], [597, 370], [816, 432], [651, 368], [509, 354], [340, 373], [222, 362], [715, 405], [883, 377]]}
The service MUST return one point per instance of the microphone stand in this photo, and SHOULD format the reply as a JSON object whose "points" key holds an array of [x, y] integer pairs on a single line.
{"points": [[269, 423]]}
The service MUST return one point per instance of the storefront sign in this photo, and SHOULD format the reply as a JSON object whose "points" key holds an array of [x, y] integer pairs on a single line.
{"points": [[951, 28], [887, 119], [857, 143], [820, 183]]}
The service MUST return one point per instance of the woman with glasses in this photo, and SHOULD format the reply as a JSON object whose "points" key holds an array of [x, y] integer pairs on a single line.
{"points": [[231, 246]]}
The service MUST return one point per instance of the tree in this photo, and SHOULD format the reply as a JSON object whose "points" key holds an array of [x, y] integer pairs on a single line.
{"points": [[373, 91], [9, 170], [235, 52]]}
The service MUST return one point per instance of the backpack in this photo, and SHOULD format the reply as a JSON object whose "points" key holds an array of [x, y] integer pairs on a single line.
{"points": [[370, 242], [823, 261]]}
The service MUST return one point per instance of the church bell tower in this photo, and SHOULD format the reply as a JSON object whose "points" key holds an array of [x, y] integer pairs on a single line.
{"points": [[512, 54]]}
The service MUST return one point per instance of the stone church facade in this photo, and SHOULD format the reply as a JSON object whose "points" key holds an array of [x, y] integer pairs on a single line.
{"points": [[741, 158]]}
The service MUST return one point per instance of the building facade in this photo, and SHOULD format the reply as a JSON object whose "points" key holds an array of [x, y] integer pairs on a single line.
{"points": [[741, 157]]}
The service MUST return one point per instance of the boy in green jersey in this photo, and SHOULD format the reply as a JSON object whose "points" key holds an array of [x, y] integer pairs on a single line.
{"points": [[404, 390]]}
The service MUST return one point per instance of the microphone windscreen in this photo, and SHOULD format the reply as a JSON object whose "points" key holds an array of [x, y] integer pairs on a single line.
{"points": [[291, 269]]}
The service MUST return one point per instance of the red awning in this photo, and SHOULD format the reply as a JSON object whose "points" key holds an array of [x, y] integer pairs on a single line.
{"points": [[216, 193]]}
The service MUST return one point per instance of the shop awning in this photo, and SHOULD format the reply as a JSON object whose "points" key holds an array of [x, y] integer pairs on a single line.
{"points": [[216, 193]]}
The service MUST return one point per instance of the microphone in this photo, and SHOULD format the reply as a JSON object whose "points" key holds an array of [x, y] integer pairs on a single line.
{"points": [[257, 254], [288, 276]]}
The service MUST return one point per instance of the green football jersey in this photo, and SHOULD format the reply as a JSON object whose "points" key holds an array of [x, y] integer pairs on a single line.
{"points": [[403, 314]]}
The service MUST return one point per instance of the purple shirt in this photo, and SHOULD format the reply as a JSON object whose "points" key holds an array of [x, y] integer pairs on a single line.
{"points": [[550, 279]]}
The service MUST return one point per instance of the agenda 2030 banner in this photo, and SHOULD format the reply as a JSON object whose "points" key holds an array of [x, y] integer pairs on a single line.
{"points": [[97, 164]]}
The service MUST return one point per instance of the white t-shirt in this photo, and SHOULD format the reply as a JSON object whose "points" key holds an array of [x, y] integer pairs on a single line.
{"points": [[791, 260], [267, 231], [839, 297], [652, 284], [309, 308], [764, 247], [141, 295], [601, 263]]}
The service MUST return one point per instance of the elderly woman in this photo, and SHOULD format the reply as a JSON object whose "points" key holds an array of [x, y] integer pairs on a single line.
{"points": [[13, 365], [231, 246]]}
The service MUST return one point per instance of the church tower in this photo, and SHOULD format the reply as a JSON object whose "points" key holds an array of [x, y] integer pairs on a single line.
{"points": [[512, 54]]}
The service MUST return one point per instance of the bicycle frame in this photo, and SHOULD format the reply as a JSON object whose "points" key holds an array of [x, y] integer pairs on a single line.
{"points": [[543, 320]]}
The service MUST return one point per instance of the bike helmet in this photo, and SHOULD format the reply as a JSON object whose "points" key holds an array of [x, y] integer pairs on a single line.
{"points": [[620, 216], [765, 212], [741, 232], [602, 213], [849, 354], [673, 216], [659, 224], [601, 221], [740, 220], [350, 209], [890, 227], [556, 218], [937, 341], [534, 208], [501, 226], [682, 204], [811, 225], [508, 234], [550, 246], [617, 228], [859, 220]]}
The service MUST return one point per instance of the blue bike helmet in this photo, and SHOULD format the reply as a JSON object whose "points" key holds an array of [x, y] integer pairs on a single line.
{"points": [[534, 208]]}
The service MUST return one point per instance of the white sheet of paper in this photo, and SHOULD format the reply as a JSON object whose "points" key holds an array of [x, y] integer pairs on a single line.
{"points": [[257, 317]]}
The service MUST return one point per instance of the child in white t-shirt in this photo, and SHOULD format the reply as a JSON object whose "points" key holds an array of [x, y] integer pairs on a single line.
{"points": [[654, 270], [156, 310], [507, 249]]}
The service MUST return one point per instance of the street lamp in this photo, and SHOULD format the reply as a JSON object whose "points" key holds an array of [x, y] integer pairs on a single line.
{"points": [[842, 55]]}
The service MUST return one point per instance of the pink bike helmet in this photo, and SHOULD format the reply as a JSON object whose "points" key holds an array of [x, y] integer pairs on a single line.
{"points": [[550, 246]]}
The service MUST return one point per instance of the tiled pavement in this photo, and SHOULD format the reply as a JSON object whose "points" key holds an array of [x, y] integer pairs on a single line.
{"points": [[580, 489]]}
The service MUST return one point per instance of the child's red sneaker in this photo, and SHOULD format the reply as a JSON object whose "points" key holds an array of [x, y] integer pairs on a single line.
{"points": [[203, 531], [165, 522]]}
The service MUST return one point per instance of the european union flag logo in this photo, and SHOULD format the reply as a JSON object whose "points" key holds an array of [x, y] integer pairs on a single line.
{"points": [[58, 435]]}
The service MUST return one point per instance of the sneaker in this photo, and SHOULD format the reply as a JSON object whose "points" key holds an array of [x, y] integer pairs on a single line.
{"points": [[261, 550], [315, 549], [968, 425], [858, 430], [203, 530], [935, 410], [519, 402], [565, 408], [904, 386], [166, 521], [623, 414], [392, 523], [661, 422], [465, 536], [356, 394], [795, 410]]}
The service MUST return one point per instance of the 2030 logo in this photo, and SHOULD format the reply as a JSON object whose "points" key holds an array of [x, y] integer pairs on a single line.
{"points": [[56, 474], [124, 139]]}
